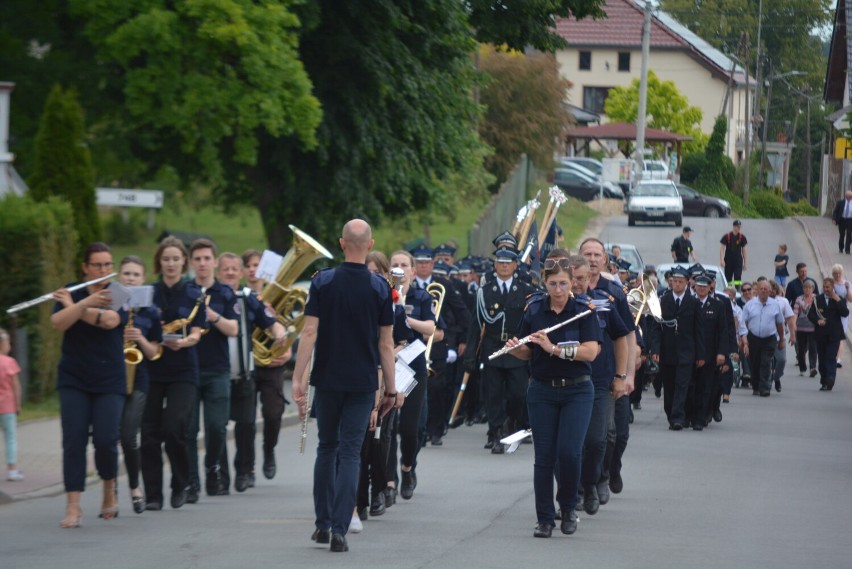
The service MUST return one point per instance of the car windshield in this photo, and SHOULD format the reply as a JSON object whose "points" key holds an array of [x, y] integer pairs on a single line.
{"points": [[656, 190], [655, 166]]}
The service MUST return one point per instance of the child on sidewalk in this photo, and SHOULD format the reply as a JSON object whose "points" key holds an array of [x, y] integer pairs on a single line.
{"points": [[10, 404], [781, 260]]}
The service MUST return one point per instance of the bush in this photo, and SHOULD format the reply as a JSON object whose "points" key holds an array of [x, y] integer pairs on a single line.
{"points": [[38, 248], [738, 209], [120, 233], [770, 204], [802, 207], [691, 167]]}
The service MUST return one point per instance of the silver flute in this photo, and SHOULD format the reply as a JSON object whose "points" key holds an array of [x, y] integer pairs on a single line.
{"points": [[527, 339], [49, 296], [304, 436]]}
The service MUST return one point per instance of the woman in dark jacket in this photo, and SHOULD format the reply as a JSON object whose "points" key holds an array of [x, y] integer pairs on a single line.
{"points": [[827, 312]]}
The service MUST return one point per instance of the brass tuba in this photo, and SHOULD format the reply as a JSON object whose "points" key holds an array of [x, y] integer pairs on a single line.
{"points": [[287, 301], [438, 292], [132, 357]]}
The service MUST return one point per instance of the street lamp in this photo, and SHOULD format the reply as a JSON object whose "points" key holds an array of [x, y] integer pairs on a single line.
{"points": [[772, 77]]}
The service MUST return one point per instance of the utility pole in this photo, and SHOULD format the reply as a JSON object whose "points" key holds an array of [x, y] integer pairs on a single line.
{"points": [[765, 128], [639, 162], [809, 150], [748, 124]]}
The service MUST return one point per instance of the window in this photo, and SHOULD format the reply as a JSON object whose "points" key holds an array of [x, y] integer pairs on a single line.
{"points": [[624, 61], [585, 61], [594, 98]]}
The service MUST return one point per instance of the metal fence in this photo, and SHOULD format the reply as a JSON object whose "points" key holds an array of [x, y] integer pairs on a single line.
{"points": [[500, 213]]}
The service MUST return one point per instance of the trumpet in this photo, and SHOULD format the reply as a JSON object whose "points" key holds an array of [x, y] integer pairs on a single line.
{"points": [[438, 292], [132, 356]]}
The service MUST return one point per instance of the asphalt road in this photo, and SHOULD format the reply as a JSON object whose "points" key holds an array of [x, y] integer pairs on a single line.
{"points": [[769, 487]]}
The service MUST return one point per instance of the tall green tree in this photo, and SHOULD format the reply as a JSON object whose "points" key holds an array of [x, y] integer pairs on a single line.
{"points": [[63, 164], [667, 109], [524, 110]]}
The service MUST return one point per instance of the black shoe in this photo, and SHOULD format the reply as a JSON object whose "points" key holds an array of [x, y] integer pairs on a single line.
{"points": [[469, 423], [179, 498], [778, 385], [215, 483], [637, 406], [436, 441], [192, 494], [839, 363], [498, 448], [823, 388], [603, 492], [813, 373], [321, 535], [338, 543], [490, 443], [241, 482], [269, 468], [755, 392], [406, 490], [390, 497], [569, 523], [630, 417], [138, 504], [154, 505], [717, 416], [543, 530], [363, 514], [676, 427], [658, 393], [765, 394], [377, 504], [697, 426], [616, 484], [591, 504]]}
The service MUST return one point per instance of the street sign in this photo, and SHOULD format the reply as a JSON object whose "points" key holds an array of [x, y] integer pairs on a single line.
{"points": [[120, 197]]}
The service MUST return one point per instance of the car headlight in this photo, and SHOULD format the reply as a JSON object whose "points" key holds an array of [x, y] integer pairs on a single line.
{"points": [[725, 203]]}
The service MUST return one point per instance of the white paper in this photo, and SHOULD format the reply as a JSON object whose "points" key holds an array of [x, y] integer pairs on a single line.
{"points": [[411, 351], [513, 441], [119, 295], [404, 378], [141, 296], [167, 337], [270, 262]]}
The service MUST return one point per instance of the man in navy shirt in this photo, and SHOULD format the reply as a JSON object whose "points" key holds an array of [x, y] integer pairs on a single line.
{"points": [[349, 321], [214, 389]]}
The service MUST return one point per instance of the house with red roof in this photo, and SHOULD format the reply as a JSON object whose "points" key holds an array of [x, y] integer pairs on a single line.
{"points": [[606, 53]]}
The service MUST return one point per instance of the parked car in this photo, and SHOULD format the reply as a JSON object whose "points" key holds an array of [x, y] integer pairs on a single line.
{"points": [[583, 187], [701, 205], [595, 166], [721, 282], [630, 254], [655, 170], [654, 200]]}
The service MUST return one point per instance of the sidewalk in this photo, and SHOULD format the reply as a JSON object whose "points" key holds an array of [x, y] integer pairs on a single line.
{"points": [[40, 455], [822, 235]]}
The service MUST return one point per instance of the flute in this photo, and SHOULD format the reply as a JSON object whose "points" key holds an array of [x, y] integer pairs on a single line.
{"points": [[527, 339], [49, 296], [304, 438]]}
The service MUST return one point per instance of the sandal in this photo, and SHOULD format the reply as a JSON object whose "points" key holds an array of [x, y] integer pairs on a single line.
{"points": [[109, 507], [73, 516]]}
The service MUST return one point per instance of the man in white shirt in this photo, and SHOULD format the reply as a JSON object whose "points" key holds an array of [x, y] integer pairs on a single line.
{"points": [[777, 293]]}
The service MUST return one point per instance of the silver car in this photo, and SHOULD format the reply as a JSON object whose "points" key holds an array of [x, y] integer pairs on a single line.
{"points": [[654, 200]]}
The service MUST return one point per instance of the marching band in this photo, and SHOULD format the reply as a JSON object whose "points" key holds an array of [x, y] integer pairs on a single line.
{"points": [[586, 342]]}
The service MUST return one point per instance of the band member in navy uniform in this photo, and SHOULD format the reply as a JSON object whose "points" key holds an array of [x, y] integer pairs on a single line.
{"points": [[146, 333], [214, 373], [681, 346], [251, 314], [500, 307], [91, 383], [174, 377], [714, 322], [560, 394]]}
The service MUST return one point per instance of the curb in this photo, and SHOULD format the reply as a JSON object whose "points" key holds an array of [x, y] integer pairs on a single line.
{"points": [[288, 420]]}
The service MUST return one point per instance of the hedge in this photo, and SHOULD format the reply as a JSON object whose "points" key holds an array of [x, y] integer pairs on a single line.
{"points": [[38, 248], [770, 204]]}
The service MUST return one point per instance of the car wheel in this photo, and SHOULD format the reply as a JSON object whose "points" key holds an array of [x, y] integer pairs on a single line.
{"points": [[679, 221], [631, 221], [712, 212]]}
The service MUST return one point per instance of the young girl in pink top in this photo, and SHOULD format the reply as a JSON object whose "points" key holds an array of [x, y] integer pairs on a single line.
{"points": [[10, 404]]}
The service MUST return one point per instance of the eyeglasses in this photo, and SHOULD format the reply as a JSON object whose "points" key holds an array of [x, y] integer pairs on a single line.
{"points": [[99, 266], [550, 264], [559, 286], [746, 290]]}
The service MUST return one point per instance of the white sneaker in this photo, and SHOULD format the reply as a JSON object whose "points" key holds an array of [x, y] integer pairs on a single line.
{"points": [[15, 476], [355, 526]]}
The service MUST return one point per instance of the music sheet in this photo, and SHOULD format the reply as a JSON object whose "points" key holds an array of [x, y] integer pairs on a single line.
{"points": [[411, 351]]}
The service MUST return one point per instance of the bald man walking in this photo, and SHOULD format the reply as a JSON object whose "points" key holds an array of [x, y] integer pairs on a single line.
{"points": [[349, 322]]}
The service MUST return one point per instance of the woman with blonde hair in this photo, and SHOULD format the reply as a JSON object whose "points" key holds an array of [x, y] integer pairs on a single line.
{"points": [[843, 288]]}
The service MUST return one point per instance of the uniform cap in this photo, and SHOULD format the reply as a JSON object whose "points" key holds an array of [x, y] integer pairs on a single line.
{"points": [[680, 272], [696, 270], [702, 280], [440, 268], [623, 265], [505, 238], [505, 255], [737, 222], [422, 253], [444, 249]]}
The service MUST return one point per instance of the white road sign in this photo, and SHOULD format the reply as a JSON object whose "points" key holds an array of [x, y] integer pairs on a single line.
{"points": [[121, 197]]}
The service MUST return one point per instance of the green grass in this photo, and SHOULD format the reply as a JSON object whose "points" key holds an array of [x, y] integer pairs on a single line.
{"points": [[235, 231], [43, 409], [573, 217]]}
